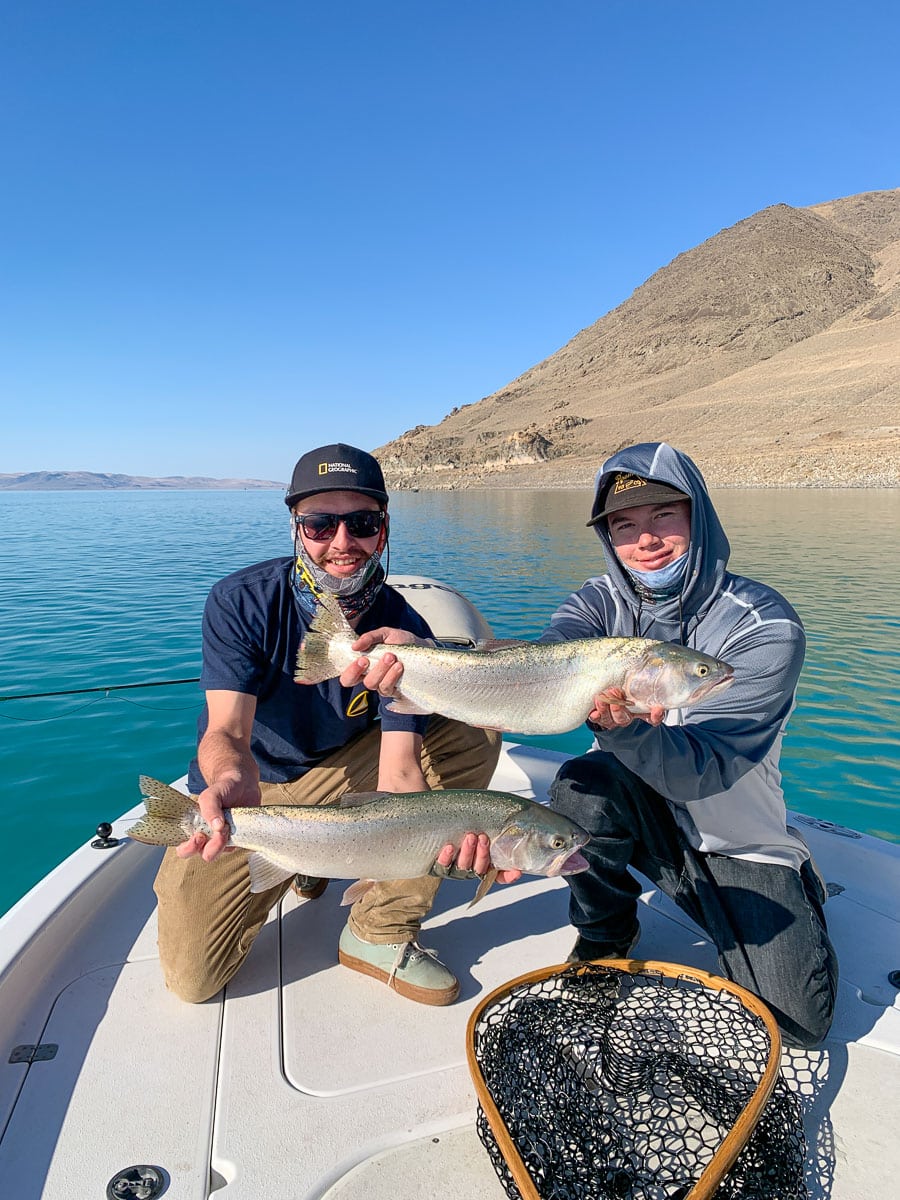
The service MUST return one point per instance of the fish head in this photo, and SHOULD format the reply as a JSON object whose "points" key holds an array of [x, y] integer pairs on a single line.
{"points": [[538, 841], [673, 676]]}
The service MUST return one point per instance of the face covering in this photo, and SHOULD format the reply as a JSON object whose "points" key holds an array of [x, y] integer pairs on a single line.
{"points": [[355, 594], [663, 583]]}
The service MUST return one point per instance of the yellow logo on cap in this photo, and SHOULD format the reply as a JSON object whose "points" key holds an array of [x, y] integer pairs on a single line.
{"points": [[624, 483], [345, 468]]}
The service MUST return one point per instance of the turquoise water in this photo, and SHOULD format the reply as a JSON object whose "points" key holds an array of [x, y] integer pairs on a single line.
{"points": [[104, 588]]}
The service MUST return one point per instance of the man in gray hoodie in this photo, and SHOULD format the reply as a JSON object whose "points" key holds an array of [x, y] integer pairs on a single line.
{"points": [[693, 799]]}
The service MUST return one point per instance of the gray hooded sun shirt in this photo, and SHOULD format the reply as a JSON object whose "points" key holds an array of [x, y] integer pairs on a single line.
{"points": [[717, 762]]}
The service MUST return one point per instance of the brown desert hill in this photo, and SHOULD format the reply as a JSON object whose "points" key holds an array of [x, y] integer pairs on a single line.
{"points": [[771, 353]]}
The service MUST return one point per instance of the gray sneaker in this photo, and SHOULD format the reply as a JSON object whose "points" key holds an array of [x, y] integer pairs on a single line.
{"points": [[407, 967]]}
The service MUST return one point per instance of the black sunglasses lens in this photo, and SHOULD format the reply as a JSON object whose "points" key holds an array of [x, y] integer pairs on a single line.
{"points": [[321, 527], [363, 524]]}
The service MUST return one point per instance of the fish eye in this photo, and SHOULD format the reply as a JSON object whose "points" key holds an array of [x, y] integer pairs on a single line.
{"points": [[702, 669], [557, 843]]}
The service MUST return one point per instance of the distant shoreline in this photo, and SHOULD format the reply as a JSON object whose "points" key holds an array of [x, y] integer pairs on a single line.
{"points": [[97, 481], [210, 488], [480, 486], [713, 485]]}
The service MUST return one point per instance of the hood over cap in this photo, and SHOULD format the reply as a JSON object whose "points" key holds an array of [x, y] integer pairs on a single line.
{"points": [[709, 549]]}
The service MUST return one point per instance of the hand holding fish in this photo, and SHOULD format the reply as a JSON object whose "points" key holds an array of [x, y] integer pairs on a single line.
{"points": [[474, 855], [384, 675], [230, 791], [610, 711]]}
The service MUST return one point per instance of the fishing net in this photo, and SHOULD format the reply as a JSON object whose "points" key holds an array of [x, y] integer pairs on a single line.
{"points": [[634, 1081]]}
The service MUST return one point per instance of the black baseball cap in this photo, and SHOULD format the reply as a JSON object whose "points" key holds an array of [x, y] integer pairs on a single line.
{"points": [[626, 490], [337, 468]]}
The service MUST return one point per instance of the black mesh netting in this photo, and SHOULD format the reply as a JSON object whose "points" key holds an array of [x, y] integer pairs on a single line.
{"points": [[619, 1086]]}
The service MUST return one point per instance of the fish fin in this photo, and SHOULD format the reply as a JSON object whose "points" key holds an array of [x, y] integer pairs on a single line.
{"points": [[488, 880], [167, 801], [356, 891], [169, 814], [265, 874], [399, 704], [357, 799], [313, 662], [157, 832], [329, 617]]}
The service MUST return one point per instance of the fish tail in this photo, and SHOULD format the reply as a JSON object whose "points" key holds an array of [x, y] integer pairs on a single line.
{"points": [[313, 659], [170, 815]]}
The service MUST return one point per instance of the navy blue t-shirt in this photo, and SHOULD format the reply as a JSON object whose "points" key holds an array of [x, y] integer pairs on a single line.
{"points": [[252, 629]]}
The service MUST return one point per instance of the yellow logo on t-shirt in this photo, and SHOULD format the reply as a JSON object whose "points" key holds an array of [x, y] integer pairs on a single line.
{"points": [[358, 705]]}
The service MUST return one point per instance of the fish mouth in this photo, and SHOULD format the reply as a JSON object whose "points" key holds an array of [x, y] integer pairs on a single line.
{"points": [[573, 864], [713, 685]]}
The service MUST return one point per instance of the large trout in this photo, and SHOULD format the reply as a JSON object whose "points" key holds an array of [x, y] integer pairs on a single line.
{"points": [[373, 835], [524, 687]]}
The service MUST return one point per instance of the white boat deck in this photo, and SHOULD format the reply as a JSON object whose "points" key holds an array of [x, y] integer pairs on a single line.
{"points": [[305, 1080]]}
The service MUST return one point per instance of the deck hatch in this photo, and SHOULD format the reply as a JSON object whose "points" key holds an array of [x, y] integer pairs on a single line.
{"points": [[29, 1054]]}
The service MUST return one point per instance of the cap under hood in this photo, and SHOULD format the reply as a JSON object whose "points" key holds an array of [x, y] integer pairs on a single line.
{"points": [[709, 549]]}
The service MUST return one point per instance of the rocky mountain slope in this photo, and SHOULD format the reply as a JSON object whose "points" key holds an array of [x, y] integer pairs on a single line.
{"points": [[770, 353]]}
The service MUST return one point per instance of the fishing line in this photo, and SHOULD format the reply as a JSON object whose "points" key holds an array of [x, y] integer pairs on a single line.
{"points": [[116, 687], [44, 720], [111, 687]]}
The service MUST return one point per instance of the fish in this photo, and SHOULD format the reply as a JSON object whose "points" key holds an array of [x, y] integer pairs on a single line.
{"points": [[521, 687], [372, 836]]}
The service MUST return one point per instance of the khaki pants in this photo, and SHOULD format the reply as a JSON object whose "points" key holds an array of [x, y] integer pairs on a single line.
{"points": [[208, 917]]}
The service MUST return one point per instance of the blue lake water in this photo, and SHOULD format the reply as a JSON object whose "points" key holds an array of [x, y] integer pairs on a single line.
{"points": [[106, 588]]}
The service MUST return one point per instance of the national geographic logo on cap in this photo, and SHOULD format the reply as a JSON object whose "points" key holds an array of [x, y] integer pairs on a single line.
{"points": [[336, 468], [625, 483], [344, 468]]}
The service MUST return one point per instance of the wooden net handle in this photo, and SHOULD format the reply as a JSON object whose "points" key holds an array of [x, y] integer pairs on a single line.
{"points": [[733, 1142]]}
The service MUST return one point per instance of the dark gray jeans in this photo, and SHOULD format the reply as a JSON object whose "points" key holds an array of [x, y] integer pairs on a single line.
{"points": [[766, 921]]}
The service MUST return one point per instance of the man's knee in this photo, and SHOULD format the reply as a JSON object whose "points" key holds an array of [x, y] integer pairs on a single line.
{"points": [[191, 991], [583, 784], [808, 1010], [806, 1029]]}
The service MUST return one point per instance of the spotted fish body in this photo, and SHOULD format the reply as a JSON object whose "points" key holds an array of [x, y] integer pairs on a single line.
{"points": [[377, 835], [526, 687]]}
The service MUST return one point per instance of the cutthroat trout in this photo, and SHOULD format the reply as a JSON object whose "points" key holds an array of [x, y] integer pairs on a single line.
{"points": [[373, 835], [524, 687]]}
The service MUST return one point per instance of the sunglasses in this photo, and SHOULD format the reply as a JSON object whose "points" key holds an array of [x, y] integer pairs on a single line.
{"points": [[321, 527]]}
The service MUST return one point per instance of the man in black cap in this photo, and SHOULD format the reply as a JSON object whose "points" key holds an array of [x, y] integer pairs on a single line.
{"points": [[264, 739]]}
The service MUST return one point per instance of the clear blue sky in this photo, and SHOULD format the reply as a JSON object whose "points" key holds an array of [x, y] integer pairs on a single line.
{"points": [[235, 229]]}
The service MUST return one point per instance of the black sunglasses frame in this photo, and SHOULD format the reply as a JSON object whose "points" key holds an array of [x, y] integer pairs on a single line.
{"points": [[357, 523]]}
